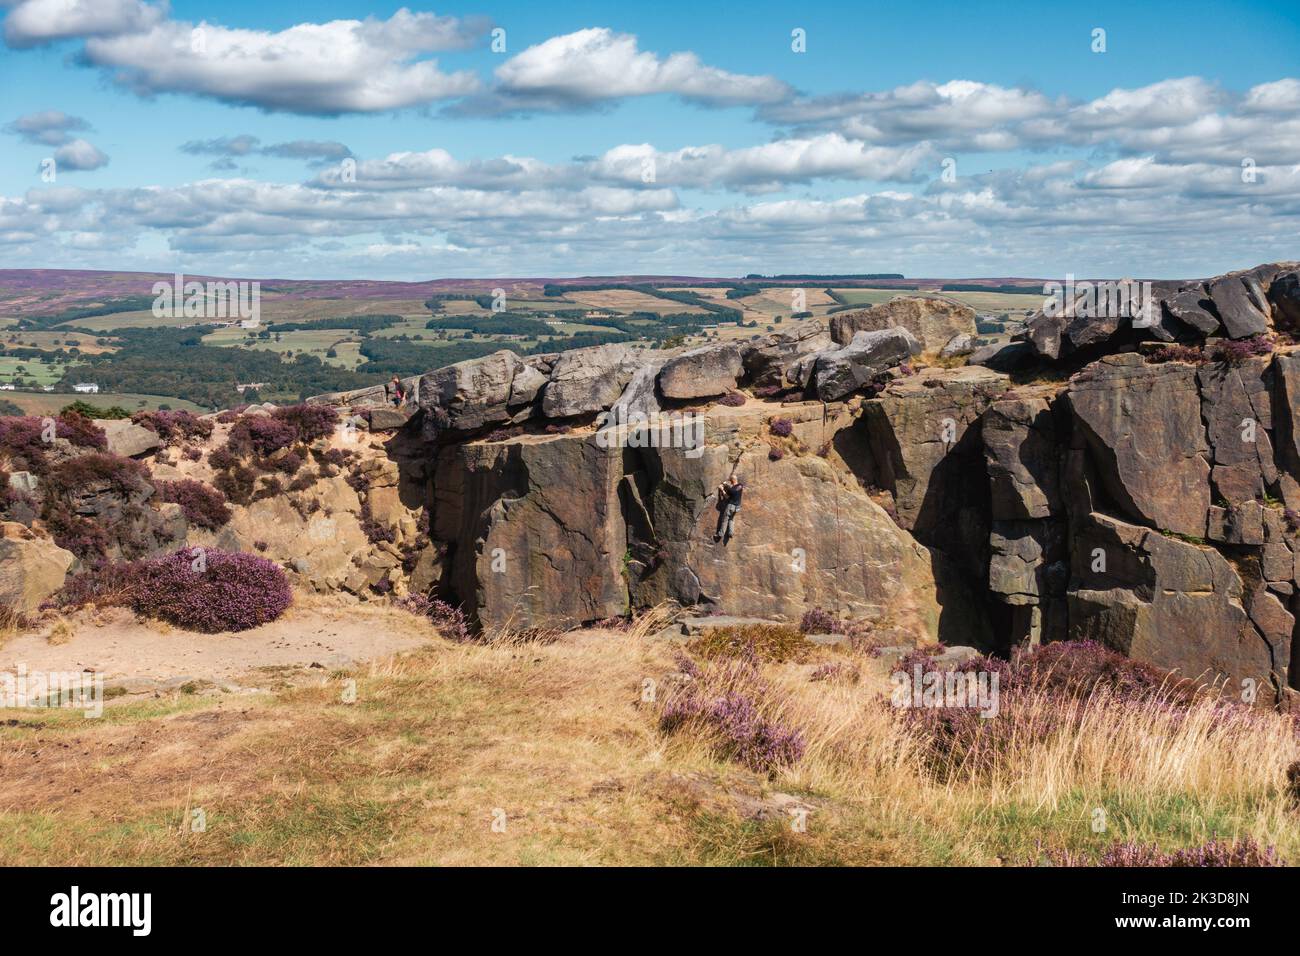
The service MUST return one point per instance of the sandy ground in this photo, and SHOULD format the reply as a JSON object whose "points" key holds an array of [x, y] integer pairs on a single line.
{"points": [[141, 655]]}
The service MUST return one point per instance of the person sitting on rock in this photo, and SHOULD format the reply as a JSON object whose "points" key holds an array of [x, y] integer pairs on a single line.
{"points": [[729, 495], [399, 393]]}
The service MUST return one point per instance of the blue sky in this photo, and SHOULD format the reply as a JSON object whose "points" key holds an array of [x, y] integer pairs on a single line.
{"points": [[322, 140]]}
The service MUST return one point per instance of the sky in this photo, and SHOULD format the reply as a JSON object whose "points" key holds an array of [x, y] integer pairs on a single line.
{"points": [[342, 139]]}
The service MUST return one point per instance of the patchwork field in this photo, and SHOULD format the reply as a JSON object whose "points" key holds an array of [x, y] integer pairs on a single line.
{"points": [[49, 403], [623, 300]]}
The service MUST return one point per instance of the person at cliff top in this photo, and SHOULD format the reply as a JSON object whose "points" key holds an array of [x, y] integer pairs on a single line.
{"points": [[399, 393], [730, 491]]}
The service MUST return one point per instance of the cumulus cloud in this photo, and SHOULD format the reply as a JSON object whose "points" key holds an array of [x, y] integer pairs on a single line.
{"points": [[47, 128], [79, 155], [36, 22], [587, 68], [229, 148]]}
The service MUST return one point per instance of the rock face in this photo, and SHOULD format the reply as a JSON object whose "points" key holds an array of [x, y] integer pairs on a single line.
{"points": [[550, 531], [31, 568], [588, 380], [700, 373], [842, 371], [932, 320], [780, 360], [473, 393], [1146, 438]]}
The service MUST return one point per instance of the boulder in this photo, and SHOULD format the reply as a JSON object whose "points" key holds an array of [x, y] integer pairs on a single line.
{"points": [[1022, 456], [839, 372], [777, 360], [588, 380], [1284, 297], [1240, 306], [469, 395], [1142, 424], [703, 372], [931, 319], [961, 344], [389, 417], [128, 439], [1006, 357], [32, 568], [1193, 307]]}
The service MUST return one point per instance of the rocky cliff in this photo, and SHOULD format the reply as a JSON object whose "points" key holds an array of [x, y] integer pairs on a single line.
{"points": [[1130, 478]]}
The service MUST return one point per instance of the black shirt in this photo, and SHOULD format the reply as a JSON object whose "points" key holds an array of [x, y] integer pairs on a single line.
{"points": [[734, 493]]}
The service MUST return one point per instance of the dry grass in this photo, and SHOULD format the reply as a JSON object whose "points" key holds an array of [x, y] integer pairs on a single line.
{"points": [[560, 742]]}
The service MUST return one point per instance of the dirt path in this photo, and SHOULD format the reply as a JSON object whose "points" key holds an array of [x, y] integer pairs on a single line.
{"points": [[315, 634]]}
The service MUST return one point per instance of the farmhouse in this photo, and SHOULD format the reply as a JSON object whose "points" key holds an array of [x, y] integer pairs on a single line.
{"points": [[85, 387]]}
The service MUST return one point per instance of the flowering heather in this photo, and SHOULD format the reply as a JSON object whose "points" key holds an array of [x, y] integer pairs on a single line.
{"points": [[289, 463], [782, 427], [1215, 853], [309, 422], [1237, 351], [174, 426], [720, 703], [450, 621], [203, 506], [841, 672], [775, 454], [23, 438], [818, 620], [1178, 353], [260, 435], [125, 476], [732, 400], [198, 589]]}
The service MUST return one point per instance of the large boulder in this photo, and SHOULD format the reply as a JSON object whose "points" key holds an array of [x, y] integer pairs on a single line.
{"points": [[1284, 297], [931, 319], [703, 372], [1023, 457], [777, 360], [128, 439], [32, 568], [840, 372], [469, 395], [1146, 439], [588, 380], [1241, 305]]}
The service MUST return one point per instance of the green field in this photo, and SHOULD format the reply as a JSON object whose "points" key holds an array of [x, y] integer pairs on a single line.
{"points": [[49, 403], [979, 301], [316, 342], [34, 370]]}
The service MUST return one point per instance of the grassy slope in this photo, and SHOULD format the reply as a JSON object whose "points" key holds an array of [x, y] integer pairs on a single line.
{"points": [[557, 737]]}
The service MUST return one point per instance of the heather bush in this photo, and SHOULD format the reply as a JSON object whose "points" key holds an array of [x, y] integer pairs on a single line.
{"points": [[22, 439], [222, 459], [174, 427], [289, 463], [721, 703], [1215, 853], [124, 476], [1178, 353], [190, 453], [841, 672], [732, 400], [756, 642], [1237, 351], [775, 454], [260, 435], [198, 589], [450, 621], [237, 484], [818, 620], [782, 427], [309, 422], [203, 506]]}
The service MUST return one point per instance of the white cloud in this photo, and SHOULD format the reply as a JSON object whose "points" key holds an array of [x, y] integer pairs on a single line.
{"points": [[588, 67], [35, 22]]}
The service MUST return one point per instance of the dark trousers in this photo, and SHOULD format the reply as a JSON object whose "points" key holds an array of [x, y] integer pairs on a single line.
{"points": [[727, 521]]}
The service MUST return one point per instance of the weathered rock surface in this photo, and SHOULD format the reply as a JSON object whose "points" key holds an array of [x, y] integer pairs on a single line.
{"points": [[702, 372], [31, 568], [840, 372], [932, 320], [129, 439], [473, 393], [1146, 438], [588, 380], [778, 360]]}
